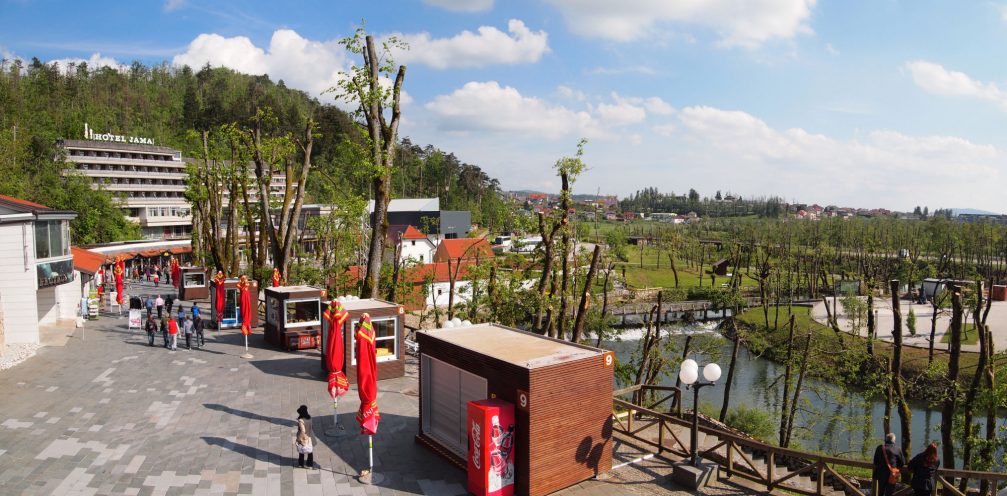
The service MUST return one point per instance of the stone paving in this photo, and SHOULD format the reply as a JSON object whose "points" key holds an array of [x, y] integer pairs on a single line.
{"points": [[106, 414]]}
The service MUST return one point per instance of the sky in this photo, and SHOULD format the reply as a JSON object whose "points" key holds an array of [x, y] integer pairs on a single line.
{"points": [[861, 103]]}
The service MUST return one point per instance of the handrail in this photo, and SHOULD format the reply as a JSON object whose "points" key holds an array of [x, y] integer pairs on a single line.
{"points": [[820, 466]]}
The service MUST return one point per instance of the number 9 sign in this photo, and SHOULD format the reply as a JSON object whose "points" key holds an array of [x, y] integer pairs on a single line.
{"points": [[522, 400], [609, 359]]}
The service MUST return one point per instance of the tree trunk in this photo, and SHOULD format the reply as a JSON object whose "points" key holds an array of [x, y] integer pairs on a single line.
{"points": [[950, 401], [905, 414], [797, 390], [871, 330], [972, 391], [578, 326], [452, 274], [674, 270], [785, 410], [547, 238], [730, 371]]}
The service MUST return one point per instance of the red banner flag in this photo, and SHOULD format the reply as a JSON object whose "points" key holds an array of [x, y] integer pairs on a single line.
{"points": [[176, 273], [367, 377], [276, 277], [218, 282], [335, 315], [246, 305], [120, 269]]}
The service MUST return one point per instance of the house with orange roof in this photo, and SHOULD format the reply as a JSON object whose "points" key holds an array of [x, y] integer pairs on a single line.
{"points": [[466, 249], [413, 245]]}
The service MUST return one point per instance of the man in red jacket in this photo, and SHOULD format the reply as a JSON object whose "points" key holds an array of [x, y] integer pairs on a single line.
{"points": [[173, 332]]}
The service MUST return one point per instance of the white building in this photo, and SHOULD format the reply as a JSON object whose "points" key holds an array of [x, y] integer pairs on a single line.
{"points": [[415, 246], [36, 269]]}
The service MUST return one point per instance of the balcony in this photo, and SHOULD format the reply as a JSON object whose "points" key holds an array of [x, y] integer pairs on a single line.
{"points": [[97, 173]]}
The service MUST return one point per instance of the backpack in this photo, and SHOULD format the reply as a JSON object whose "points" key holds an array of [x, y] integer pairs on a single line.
{"points": [[894, 477]]}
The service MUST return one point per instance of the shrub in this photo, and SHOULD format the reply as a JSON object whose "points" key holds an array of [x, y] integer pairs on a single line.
{"points": [[911, 322], [752, 421]]}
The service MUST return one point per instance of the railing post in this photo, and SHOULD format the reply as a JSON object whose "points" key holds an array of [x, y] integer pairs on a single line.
{"points": [[629, 420], [660, 437], [820, 483], [730, 458], [770, 468]]}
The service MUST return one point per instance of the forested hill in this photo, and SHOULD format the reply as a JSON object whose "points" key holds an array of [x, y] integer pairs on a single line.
{"points": [[41, 103]]}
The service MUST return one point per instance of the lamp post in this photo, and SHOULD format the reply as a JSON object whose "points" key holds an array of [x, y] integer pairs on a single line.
{"points": [[689, 374]]}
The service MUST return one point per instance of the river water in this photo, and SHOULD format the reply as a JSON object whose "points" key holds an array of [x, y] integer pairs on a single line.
{"points": [[830, 420]]}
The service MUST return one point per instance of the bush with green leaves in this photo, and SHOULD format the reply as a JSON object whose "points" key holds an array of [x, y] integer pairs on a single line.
{"points": [[911, 322], [752, 421]]}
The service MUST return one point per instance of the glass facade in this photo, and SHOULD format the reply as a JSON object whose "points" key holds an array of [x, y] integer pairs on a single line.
{"points": [[52, 239]]}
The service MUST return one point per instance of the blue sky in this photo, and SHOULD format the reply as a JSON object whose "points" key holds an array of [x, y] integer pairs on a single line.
{"points": [[872, 103]]}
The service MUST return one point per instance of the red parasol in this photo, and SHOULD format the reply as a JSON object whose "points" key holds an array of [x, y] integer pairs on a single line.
{"points": [[276, 277], [367, 377], [335, 315], [176, 272], [119, 271], [246, 306], [218, 281]]}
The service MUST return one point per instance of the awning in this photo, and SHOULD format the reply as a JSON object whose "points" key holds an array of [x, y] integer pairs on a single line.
{"points": [[178, 250], [86, 261]]}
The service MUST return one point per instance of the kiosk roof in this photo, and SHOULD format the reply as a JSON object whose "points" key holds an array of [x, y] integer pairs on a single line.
{"points": [[367, 304], [520, 348]]}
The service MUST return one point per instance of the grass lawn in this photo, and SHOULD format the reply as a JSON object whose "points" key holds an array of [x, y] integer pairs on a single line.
{"points": [[969, 335], [651, 277], [914, 360]]}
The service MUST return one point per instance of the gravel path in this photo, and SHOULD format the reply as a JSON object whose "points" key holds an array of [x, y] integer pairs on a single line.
{"points": [[17, 353]]}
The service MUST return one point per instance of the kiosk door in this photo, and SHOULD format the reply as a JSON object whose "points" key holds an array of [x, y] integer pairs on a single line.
{"points": [[446, 391], [231, 308]]}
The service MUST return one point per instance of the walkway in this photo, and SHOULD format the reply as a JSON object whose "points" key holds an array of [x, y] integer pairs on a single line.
{"points": [[106, 414], [997, 322]]}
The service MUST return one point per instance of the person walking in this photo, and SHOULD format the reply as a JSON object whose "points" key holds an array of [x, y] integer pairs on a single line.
{"points": [[150, 327], [195, 311], [164, 332], [304, 440], [924, 469], [157, 279], [149, 303], [159, 303], [169, 302], [173, 333], [147, 272], [888, 459], [187, 329], [180, 317], [197, 327]]}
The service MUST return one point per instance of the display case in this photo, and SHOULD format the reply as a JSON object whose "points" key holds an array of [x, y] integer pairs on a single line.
{"points": [[195, 284], [231, 318], [294, 316], [389, 337], [562, 392]]}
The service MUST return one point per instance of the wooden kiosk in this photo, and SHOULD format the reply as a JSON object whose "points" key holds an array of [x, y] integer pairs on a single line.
{"points": [[389, 331], [294, 316], [232, 298], [562, 393], [195, 284]]}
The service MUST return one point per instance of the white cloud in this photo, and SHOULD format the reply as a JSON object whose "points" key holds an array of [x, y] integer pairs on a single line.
{"points": [[621, 113], [642, 70], [744, 23], [462, 5], [487, 106], [487, 46], [173, 5], [934, 78], [570, 93], [312, 66], [831, 49]]}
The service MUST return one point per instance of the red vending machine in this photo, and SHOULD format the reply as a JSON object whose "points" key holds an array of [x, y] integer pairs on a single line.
{"points": [[491, 447]]}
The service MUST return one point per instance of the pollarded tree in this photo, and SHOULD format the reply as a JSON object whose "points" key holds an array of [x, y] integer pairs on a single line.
{"points": [[364, 86]]}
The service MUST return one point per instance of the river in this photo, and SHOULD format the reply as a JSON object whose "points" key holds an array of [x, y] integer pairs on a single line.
{"points": [[831, 420]]}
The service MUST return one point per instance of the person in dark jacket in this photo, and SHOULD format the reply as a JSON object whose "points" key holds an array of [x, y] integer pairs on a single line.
{"points": [[197, 326], [164, 332], [168, 303], [151, 328], [886, 455], [924, 469]]}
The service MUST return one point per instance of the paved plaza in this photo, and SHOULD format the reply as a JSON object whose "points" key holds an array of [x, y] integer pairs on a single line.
{"points": [[106, 414]]}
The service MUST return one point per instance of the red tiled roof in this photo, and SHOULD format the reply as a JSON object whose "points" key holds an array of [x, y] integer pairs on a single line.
{"points": [[22, 202], [463, 248], [418, 274], [181, 249], [413, 233], [86, 260]]}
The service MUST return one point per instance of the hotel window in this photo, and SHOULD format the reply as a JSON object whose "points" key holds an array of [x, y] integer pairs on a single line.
{"points": [[52, 239]]}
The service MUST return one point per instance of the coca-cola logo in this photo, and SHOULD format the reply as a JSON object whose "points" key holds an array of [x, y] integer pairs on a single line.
{"points": [[474, 450]]}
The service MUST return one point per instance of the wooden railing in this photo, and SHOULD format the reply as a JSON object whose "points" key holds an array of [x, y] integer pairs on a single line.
{"points": [[729, 452]]}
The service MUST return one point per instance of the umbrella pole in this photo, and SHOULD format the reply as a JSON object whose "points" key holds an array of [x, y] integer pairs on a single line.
{"points": [[370, 454], [247, 354]]}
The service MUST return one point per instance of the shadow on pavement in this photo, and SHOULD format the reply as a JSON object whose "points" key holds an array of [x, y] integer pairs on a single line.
{"points": [[249, 451], [301, 367], [250, 415]]}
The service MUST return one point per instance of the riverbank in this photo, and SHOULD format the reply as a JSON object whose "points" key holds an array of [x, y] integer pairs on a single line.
{"points": [[843, 358]]}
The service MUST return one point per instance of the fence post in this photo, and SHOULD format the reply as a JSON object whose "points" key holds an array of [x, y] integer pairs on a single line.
{"points": [[820, 483], [730, 458], [660, 437], [770, 468]]}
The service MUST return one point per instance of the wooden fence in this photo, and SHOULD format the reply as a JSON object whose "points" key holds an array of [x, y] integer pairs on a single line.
{"points": [[737, 455]]}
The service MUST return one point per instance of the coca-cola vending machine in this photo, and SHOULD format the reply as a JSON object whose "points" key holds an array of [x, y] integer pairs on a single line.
{"points": [[491, 447]]}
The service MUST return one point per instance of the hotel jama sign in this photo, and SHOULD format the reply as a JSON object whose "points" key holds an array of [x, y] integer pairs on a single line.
{"points": [[117, 138]]}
